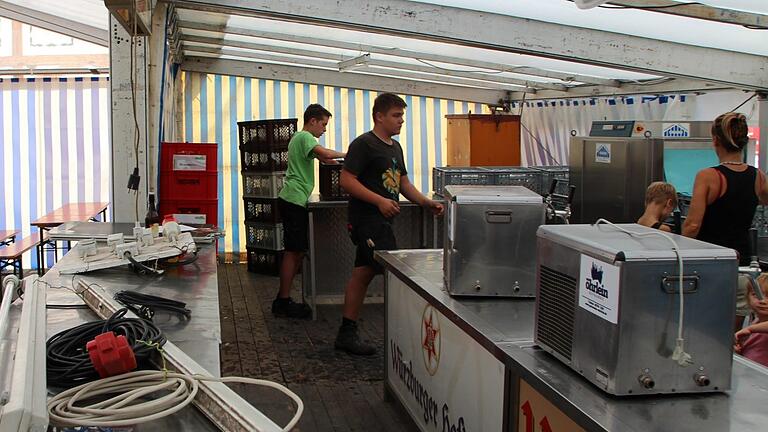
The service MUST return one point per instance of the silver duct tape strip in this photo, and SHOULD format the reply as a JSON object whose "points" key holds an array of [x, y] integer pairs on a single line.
{"points": [[225, 408]]}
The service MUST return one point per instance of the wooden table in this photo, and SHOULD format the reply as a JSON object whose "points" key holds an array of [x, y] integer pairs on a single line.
{"points": [[73, 212]]}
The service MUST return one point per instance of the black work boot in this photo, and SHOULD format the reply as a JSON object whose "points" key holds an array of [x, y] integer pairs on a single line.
{"points": [[286, 307], [349, 340]]}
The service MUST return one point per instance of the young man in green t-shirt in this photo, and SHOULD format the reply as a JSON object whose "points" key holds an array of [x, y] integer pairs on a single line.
{"points": [[292, 201]]}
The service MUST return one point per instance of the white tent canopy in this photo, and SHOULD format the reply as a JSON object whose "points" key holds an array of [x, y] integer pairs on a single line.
{"points": [[483, 51], [496, 50]]}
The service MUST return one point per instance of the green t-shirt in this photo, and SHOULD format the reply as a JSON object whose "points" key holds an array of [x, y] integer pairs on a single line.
{"points": [[300, 177]]}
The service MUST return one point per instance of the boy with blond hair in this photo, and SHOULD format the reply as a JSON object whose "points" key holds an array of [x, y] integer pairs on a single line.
{"points": [[660, 201]]}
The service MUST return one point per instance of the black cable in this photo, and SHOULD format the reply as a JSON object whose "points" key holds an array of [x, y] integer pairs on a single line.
{"points": [[145, 305], [669, 6], [68, 363], [141, 267], [623, 6], [538, 142], [742, 104], [67, 306]]}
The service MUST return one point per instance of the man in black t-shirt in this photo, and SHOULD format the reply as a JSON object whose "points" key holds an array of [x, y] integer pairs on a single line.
{"points": [[374, 175]]}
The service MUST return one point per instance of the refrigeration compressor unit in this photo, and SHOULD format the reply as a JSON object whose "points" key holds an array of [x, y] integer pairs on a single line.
{"points": [[609, 306]]}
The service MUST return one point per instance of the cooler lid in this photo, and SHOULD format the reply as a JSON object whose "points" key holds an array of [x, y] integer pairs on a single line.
{"points": [[491, 194], [614, 245]]}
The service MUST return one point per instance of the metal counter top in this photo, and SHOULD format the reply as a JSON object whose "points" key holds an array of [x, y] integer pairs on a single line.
{"points": [[195, 284], [505, 327]]}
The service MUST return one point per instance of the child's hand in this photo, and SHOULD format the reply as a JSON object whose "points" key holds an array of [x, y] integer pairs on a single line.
{"points": [[739, 338]]}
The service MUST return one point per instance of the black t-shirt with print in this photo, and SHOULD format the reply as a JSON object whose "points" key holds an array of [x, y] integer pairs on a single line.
{"points": [[378, 166]]}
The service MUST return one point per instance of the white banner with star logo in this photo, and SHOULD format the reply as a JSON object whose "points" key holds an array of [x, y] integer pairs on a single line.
{"points": [[444, 378]]}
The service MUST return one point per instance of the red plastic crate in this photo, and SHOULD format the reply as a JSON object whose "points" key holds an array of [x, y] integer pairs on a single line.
{"points": [[185, 157], [210, 208], [183, 185]]}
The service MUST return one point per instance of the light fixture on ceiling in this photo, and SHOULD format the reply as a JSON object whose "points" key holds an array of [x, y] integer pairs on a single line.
{"points": [[354, 63]]}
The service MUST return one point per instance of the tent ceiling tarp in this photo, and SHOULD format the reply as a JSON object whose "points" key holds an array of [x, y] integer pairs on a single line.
{"points": [[537, 48], [86, 20]]}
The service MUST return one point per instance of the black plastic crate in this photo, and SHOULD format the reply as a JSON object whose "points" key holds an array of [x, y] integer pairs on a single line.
{"points": [[561, 173], [330, 182], [262, 210], [446, 176], [264, 236], [266, 135], [262, 185], [264, 161], [519, 176], [264, 261]]}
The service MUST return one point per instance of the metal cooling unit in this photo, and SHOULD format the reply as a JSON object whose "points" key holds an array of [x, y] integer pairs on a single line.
{"points": [[608, 306], [490, 235]]}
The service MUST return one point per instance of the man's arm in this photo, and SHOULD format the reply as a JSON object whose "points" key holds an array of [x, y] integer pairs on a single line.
{"points": [[352, 185], [413, 195], [327, 155]]}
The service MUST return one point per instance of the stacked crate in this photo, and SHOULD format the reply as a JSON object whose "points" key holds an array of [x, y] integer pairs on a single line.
{"points": [[263, 160], [189, 182], [552, 172], [538, 179], [330, 182]]}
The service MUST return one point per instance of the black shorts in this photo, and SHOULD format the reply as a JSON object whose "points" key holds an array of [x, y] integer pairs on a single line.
{"points": [[295, 226], [370, 236]]}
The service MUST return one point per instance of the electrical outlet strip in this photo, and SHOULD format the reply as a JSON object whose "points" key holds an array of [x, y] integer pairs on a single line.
{"points": [[104, 258], [225, 408], [26, 409], [115, 239]]}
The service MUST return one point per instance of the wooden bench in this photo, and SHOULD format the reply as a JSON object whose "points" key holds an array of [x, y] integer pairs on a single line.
{"points": [[11, 255], [7, 237]]}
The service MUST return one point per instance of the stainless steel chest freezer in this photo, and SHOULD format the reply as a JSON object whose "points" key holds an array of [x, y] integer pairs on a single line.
{"points": [[490, 240], [608, 306]]}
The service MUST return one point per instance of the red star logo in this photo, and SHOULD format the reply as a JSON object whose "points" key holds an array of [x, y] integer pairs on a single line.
{"points": [[430, 333]]}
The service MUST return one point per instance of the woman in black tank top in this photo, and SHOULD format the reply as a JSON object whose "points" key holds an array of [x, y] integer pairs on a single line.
{"points": [[725, 196]]}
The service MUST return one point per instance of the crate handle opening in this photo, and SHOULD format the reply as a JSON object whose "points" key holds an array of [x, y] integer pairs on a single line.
{"points": [[498, 217]]}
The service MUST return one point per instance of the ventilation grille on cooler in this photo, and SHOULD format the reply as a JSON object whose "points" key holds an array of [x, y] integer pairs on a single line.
{"points": [[557, 301]]}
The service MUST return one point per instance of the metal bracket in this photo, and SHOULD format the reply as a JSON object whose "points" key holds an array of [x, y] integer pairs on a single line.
{"points": [[219, 403], [671, 284]]}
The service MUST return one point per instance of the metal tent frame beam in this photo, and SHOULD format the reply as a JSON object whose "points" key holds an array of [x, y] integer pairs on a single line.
{"points": [[55, 24], [670, 86], [511, 34], [309, 75], [398, 52], [371, 62], [332, 66]]}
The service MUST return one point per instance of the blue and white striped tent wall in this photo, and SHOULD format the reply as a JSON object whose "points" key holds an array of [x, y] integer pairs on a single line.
{"points": [[55, 141], [213, 104]]}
